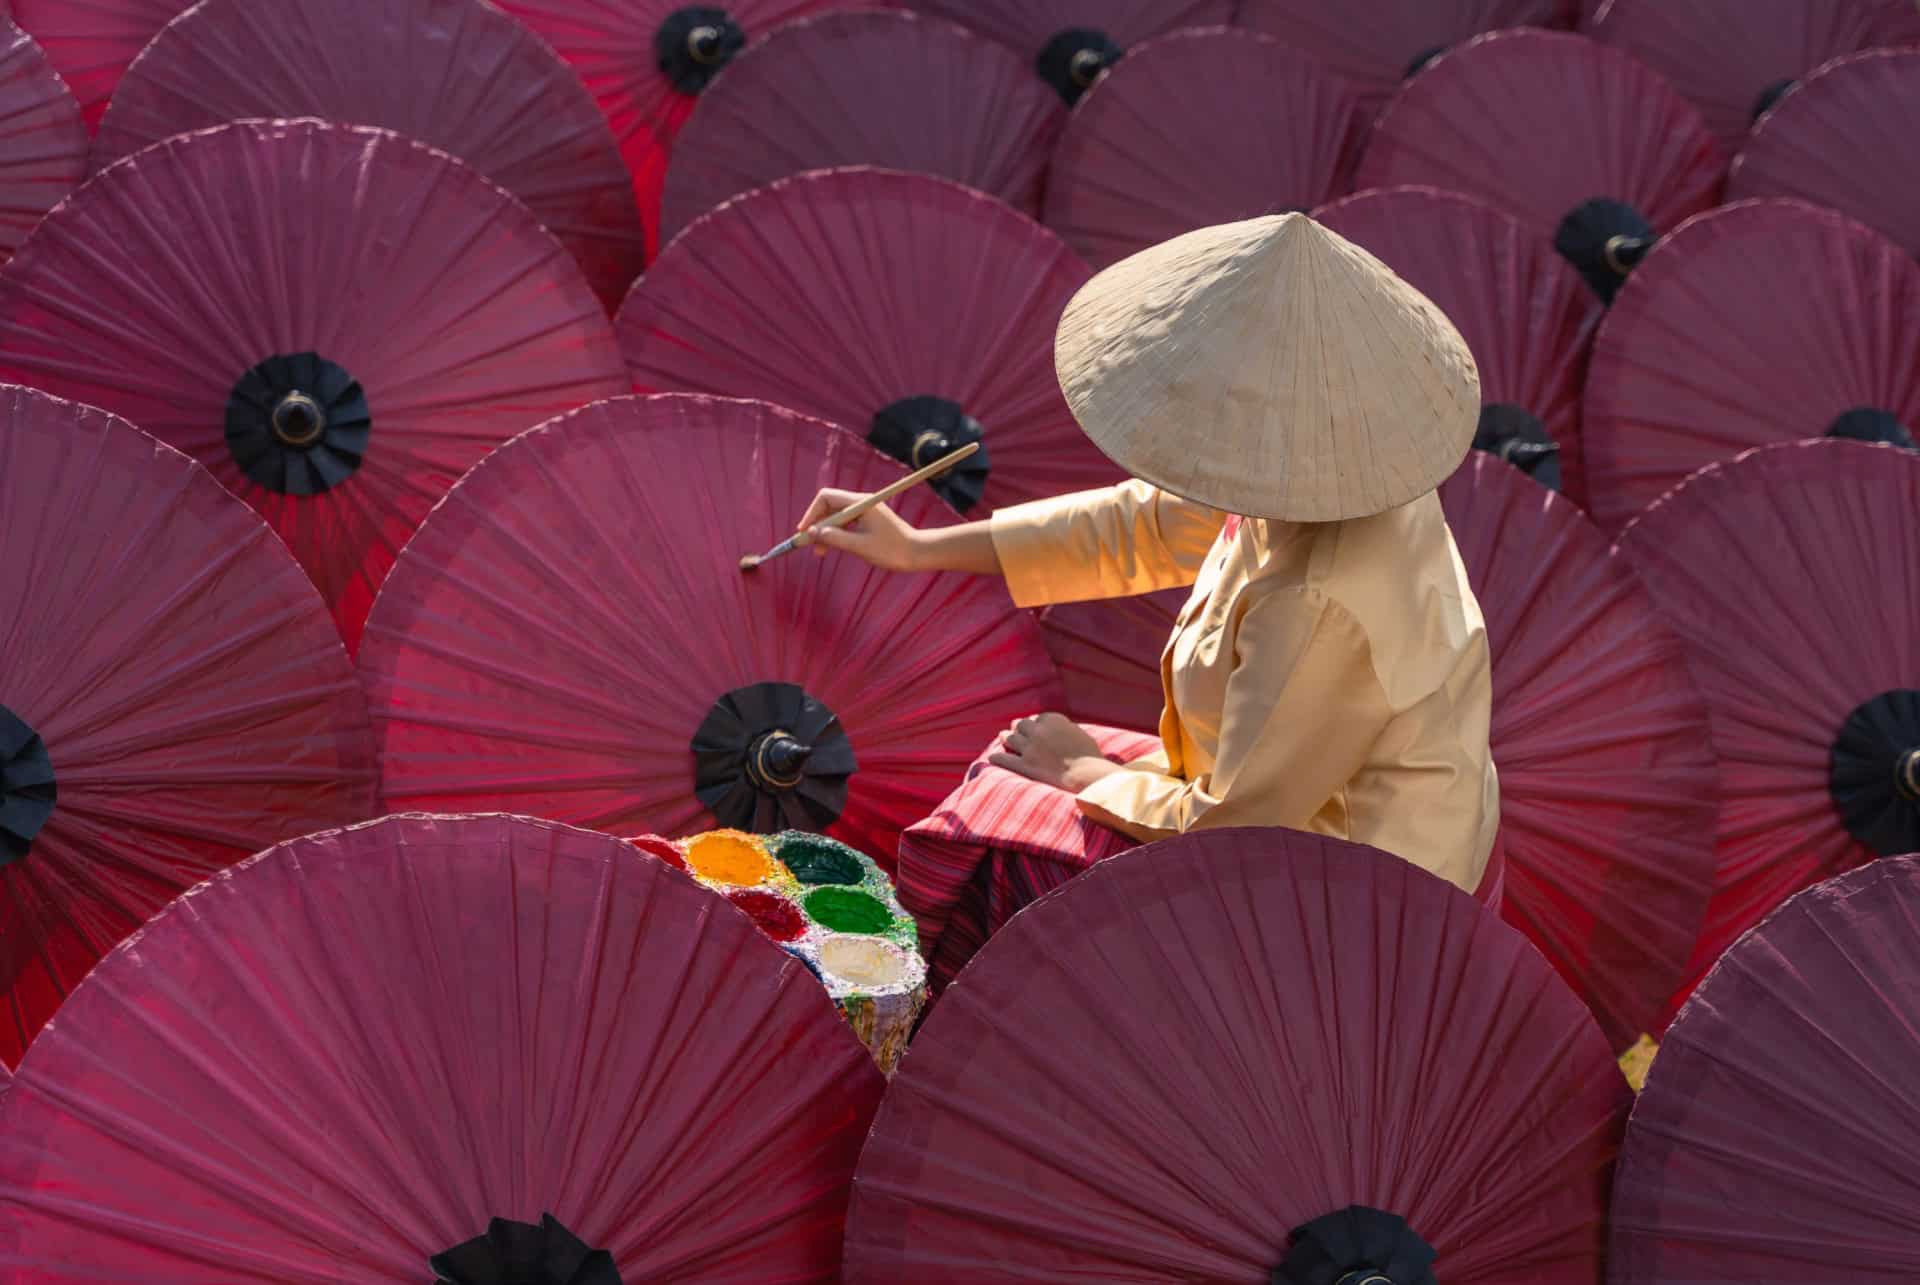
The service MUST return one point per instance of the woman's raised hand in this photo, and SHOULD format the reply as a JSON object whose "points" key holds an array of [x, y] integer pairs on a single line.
{"points": [[879, 536]]}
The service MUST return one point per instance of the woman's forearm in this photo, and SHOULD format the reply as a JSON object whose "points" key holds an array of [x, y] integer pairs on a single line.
{"points": [[967, 547]]}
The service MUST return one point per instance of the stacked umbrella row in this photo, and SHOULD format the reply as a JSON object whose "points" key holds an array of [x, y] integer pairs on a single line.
{"points": [[404, 259]]}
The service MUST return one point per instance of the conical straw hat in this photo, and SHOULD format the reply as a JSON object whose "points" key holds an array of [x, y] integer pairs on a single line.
{"points": [[1272, 369]]}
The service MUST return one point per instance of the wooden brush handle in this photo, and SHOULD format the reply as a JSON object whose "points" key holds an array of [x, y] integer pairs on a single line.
{"points": [[860, 508]]}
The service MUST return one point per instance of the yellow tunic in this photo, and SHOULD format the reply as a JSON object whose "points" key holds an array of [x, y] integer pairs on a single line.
{"points": [[1330, 677]]}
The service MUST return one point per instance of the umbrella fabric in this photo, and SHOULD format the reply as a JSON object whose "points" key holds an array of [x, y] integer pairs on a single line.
{"points": [[572, 620], [1068, 43], [1108, 653], [1173, 1065], [90, 42], [1525, 314], [43, 143], [888, 89], [1786, 575], [334, 320], [173, 697], [646, 62], [356, 1052], [1841, 139], [1775, 1138], [996, 845], [1608, 786], [458, 75], [1765, 321], [901, 306], [1380, 43], [1579, 140], [1194, 129], [1733, 60]]}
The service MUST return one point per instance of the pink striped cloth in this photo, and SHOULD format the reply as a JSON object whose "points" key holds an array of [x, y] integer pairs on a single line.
{"points": [[1001, 842]]}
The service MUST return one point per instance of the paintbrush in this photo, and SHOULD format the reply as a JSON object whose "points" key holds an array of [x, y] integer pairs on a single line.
{"points": [[854, 512]]}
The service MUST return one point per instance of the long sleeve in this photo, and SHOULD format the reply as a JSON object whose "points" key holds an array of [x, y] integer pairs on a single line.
{"points": [[1303, 707], [1110, 543]]}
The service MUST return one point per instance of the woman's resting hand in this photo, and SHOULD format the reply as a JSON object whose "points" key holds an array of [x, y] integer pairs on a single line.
{"points": [[1054, 750]]}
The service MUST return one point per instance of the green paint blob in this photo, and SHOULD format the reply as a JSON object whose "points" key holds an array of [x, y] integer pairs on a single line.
{"points": [[846, 910], [815, 860]]}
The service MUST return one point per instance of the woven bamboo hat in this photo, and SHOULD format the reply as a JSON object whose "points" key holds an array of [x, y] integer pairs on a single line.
{"points": [[1272, 369]]}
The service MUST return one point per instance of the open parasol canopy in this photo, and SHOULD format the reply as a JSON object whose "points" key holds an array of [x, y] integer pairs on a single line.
{"points": [[873, 88], [1246, 1055], [1525, 314], [91, 42], [1379, 43], [1108, 653], [1069, 43], [1788, 575], [1775, 1139], [1581, 141], [1734, 60], [1765, 321], [1198, 128], [1842, 138], [1608, 787], [458, 75], [43, 142], [173, 697], [646, 62], [570, 635], [423, 1048], [903, 307], [336, 321]]}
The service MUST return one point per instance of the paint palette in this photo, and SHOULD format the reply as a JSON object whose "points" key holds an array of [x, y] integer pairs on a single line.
{"points": [[831, 908]]}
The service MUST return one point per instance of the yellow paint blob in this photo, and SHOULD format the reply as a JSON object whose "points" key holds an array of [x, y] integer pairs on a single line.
{"points": [[863, 961], [1638, 1061], [730, 857]]}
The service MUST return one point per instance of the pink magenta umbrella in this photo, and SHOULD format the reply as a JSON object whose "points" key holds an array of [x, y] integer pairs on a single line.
{"points": [[1733, 59], [646, 63], [1608, 787], [1069, 43], [1585, 144], [458, 75], [1246, 1055], [570, 635], [173, 697], [1786, 575], [90, 42], [1108, 653], [1775, 1139], [901, 306], [1525, 314], [43, 142], [336, 321], [1841, 138], [423, 1048], [1376, 44], [1765, 321], [1197, 128], [888, 89]]}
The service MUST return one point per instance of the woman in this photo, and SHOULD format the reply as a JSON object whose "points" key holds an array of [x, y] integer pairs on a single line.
{"points": [[1288, 406]]}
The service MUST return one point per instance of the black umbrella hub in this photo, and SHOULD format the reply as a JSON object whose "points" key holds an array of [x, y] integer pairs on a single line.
{"points": [[1871, 424], [1604, 240], [1074, 58], [1516, 435], [1421, 61], [692, 44], [1770, 95], [1356, 1246], [769, 758], [516, 1253], [298, 424], [919, 430], [1875, 773], [27, 789]]}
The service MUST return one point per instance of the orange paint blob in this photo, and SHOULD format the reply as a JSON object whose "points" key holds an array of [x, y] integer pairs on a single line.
{"points": [[728, 856]]}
